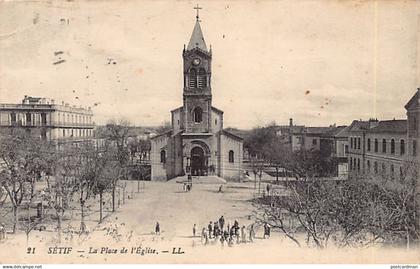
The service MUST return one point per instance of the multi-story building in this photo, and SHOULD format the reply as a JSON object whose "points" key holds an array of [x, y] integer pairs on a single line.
{"points": [[331, 141], [413, 133], [386, 147], [58, 123]]}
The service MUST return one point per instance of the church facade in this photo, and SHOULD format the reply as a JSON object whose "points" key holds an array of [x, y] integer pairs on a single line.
{"points": [[197, 144]]}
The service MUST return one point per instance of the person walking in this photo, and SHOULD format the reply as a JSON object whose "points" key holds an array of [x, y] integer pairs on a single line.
{"points": [[157, 228], [268, 189], [210, 227]]}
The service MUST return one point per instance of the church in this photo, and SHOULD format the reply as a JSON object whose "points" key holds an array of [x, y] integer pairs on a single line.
{"points": [[197, 144]]}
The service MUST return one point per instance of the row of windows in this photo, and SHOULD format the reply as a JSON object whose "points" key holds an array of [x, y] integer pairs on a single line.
{"points": [[355, 142], [392, 147], [163, 156], [386, 146], [74, 118], [354, 165], [29, 117], [76, 132]]}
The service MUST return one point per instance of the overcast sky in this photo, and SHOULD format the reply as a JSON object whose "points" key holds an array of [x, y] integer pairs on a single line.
{"points": [[319, 62]]}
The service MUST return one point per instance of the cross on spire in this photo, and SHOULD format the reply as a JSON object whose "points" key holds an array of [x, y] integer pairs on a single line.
{"points": [[198, 10]]}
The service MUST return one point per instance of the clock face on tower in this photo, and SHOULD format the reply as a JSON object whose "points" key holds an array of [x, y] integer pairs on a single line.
{"points": [[196, 61]]}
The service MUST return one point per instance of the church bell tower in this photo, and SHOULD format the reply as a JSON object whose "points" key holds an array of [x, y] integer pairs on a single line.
{"points": [[197, 82]]}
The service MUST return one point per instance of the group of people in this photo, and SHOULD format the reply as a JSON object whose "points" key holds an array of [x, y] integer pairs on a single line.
{"points": [[229, 234]]}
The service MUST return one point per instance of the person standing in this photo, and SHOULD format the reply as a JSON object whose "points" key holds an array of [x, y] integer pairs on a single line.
{"points": [[221, 222], [243, 235], [157, 228], [2, 232], [215, 229], [251, 233], [266, 231], [210, 227], [203, 235], [194, 230]]}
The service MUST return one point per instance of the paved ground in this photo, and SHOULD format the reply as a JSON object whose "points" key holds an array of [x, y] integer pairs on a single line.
{"points": [[176, 211]]}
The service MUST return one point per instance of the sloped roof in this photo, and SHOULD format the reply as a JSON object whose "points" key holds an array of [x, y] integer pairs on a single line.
{"points": [[344, 132], [218, 111], [318, 130], [390, 126], [358, 125], [237, 137], [414, 101], [197, 38], [169, 132]]}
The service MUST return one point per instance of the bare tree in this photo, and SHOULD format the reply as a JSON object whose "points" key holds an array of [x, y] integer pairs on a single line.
{"points": [[354, 212], [24, 160], [62, 187], [118, 133]]}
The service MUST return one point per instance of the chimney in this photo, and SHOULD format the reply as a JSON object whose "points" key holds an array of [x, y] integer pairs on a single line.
{"points": [[291, 122]]}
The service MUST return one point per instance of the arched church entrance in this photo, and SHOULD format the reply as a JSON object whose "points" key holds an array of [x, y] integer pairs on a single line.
{"points": [[198, 161]]}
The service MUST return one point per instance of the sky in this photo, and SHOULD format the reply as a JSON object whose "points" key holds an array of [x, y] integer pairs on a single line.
{"points": [[318, 62]]}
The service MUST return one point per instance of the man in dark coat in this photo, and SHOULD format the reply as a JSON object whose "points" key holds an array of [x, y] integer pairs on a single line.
{"points": [[221, 222]]}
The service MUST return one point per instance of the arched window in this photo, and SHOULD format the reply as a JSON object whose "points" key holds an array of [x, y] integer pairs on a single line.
{"points": [[392, 146], [192, 78], [376, 145], [202, 78], [198, 114], [231, 156], [163, 156], [402, 147], [383, 146]]}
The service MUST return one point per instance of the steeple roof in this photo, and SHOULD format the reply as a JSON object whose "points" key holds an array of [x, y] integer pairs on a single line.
{"points": [[197, 38]]}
